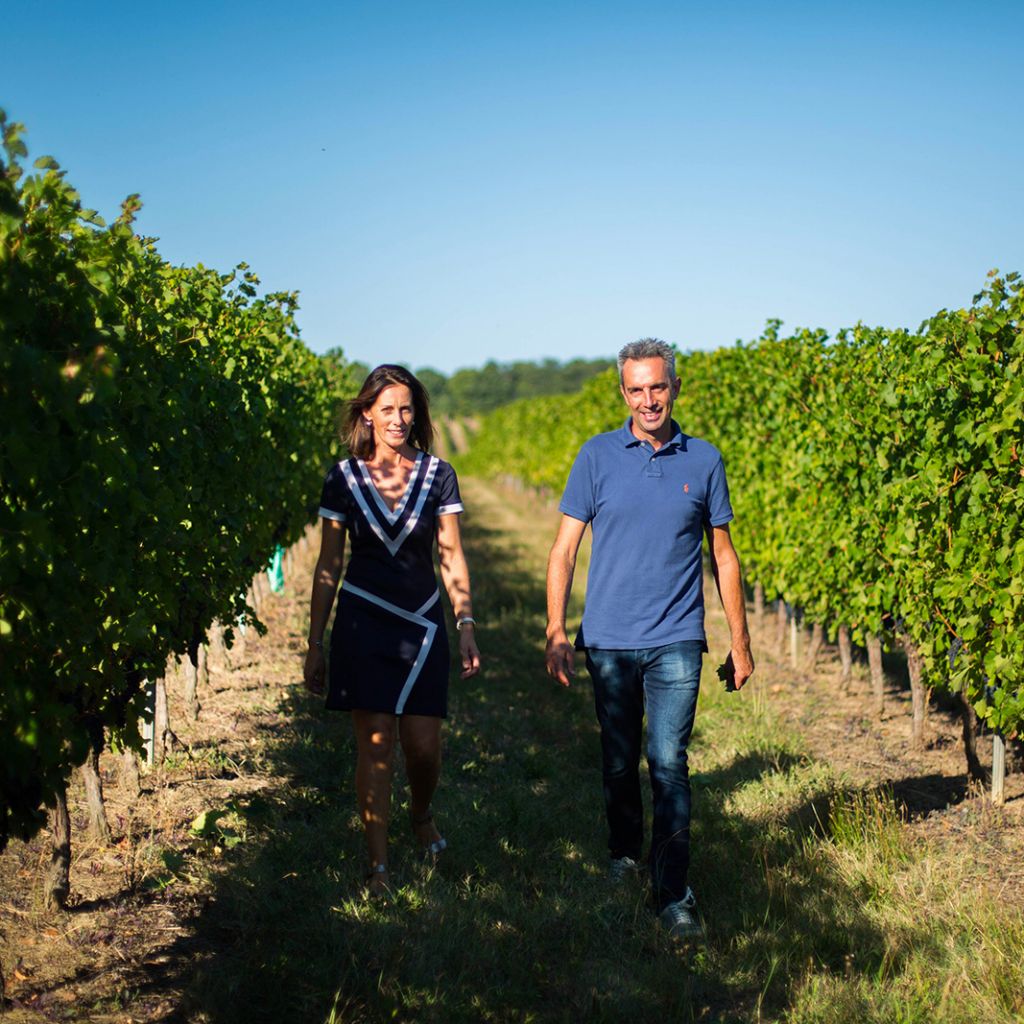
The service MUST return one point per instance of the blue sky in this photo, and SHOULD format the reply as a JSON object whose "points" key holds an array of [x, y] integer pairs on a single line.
{"points": [[447, 183]]}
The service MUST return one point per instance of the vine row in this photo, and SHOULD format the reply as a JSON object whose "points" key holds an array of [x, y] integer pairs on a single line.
{"points": [[876, 478], [164, 429]]}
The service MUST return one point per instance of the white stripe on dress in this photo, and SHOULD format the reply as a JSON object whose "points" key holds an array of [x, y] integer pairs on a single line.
{"points": [[416, 617], [410, 524], [391, 517]]}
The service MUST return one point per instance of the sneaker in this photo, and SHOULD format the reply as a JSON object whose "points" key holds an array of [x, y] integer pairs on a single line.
{"points": [[680, 918], [621, 868]]}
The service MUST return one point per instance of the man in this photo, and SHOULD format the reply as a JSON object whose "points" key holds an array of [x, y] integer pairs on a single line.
{"points": [[650, 494]]}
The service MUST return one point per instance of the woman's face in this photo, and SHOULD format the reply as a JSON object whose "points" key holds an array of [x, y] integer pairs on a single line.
{"points": [[392, 416]]}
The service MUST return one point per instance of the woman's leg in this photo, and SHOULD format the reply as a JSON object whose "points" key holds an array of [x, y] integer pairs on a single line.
{"points": [[420, 736], [375, 743]]}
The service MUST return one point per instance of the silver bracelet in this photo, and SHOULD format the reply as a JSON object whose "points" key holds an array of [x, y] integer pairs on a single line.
{"points": [[464, 621]]}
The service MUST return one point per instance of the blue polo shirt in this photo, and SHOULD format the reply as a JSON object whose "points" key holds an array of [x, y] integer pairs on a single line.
{"points": [[648, 511]]}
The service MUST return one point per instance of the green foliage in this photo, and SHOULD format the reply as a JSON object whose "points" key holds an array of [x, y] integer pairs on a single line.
{"points": [[472, 391], [164, 428], [876, 477]]}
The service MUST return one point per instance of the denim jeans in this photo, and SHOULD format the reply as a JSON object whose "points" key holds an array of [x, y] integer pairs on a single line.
{"points": [[667, 680]]}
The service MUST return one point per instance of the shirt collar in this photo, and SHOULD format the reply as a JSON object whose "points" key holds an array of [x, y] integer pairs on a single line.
{"points": [[631, 441]]}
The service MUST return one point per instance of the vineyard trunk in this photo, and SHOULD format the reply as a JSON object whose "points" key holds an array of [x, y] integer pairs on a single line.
{"points": [[817, 642], [975, 769], [874, 645], [218, 648], [161, 723], [781, 619], [759, 603], [129, 777], [918, 693], [196, 674], [845, 659], [58, 880], [99, 827]]}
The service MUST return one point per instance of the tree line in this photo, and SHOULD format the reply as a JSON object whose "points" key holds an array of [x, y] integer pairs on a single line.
{"points": [[474, 391]]}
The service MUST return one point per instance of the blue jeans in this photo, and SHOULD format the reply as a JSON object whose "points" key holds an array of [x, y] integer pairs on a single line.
{"points": [[667, 680]]}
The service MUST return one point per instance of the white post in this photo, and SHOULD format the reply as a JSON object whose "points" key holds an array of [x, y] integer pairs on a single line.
{"points": [[998, 767], [148, 727], [794, 639]]}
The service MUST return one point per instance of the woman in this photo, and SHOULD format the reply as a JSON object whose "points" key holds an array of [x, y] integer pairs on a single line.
{"points": [[389, 648]]}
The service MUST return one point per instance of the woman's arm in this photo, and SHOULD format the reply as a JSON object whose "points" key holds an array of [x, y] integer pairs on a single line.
{"points": [[325, 586], [455, 574]]}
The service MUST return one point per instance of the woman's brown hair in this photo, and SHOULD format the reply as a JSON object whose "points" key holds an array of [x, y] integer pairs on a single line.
{"points": [[359, 437]]}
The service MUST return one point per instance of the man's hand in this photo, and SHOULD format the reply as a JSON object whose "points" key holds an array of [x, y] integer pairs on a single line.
{"points": [[738, 668], [560, 658]]}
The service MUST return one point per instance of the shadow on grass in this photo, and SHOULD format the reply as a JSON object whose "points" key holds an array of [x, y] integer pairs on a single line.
{"points": [[517, 922]]}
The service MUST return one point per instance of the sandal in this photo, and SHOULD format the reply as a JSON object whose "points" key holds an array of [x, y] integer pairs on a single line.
{"points": [[430, 850], [375, 885]]}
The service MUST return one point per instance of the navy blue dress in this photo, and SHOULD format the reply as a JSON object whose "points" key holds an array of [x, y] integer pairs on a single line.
{"points": [[389, 645]]}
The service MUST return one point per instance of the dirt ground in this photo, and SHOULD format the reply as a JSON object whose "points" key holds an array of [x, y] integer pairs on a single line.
{"points": [[123, 950]]}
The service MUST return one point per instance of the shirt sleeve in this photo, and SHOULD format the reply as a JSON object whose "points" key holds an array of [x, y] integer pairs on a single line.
{"points": [[719, 507], [449, 500], [334, 498], [578, 496]]}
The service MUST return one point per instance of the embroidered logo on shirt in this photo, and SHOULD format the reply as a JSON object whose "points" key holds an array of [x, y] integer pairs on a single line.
{"points": [[686, 488]]}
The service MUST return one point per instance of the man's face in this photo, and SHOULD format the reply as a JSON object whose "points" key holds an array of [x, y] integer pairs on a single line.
{"points": [[649, 390]]}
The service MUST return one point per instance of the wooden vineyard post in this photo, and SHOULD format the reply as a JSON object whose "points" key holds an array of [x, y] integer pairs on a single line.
{"points": [[998, 767], [794, 640]]}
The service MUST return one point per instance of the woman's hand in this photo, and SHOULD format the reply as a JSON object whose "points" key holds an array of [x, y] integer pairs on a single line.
{"points": [[313, 671], [468, 651]]}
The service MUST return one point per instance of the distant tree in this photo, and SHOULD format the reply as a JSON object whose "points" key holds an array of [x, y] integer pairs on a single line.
{"points": [[479, 390], [345, 375], [436, 384]]}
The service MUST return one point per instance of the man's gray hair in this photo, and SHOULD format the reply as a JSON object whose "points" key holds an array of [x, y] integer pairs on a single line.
{"points": [[649, 348]]}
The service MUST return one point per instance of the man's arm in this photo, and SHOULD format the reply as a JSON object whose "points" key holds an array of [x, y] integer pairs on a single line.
{"points": [[559, 655], [725, 564]]}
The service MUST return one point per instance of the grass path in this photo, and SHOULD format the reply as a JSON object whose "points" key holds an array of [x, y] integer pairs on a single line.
{"points": [[821, 905]]}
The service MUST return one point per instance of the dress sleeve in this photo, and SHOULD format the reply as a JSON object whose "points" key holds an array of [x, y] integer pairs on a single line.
{"points": [[448, 499], [334, 498]]}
